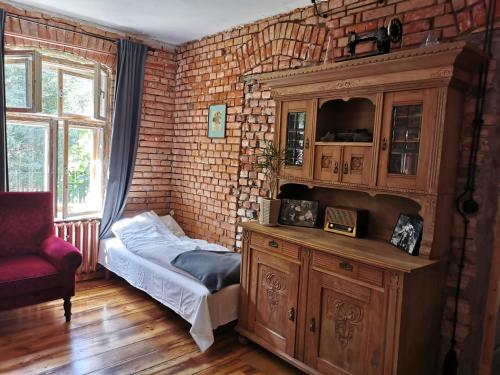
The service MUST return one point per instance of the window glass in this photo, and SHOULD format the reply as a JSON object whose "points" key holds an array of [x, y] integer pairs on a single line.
{"points": [[405, 144], [103, 95], [78, 95], [295, 133], [18, 81], [49, 89], [60, 171], [28, 156], [84, 170]]}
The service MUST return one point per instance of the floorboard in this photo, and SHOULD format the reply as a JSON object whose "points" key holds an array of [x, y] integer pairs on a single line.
{"points": [[116, 329]]}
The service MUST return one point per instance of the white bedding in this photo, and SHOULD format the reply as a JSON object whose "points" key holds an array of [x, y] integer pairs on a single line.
{"points": [[180, 292]]}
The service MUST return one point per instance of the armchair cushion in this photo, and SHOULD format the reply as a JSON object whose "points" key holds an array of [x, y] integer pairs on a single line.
{"points": [[26, 274]]}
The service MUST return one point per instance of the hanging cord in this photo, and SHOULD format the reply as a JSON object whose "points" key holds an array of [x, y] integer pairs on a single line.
{"points": [[465, 202]]}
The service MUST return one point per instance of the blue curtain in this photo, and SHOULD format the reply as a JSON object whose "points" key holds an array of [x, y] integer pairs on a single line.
{"points": [[4, 177], [131, 60]]}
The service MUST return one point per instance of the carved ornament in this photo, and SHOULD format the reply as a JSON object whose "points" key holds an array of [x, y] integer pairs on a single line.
{"points": [[347, 316]]}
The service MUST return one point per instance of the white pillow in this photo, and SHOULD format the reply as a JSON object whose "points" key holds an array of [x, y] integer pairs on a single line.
{"points": [[172, 225], [141, 231]]}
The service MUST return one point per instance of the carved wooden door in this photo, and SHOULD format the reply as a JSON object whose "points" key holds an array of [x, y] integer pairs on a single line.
{"points": [[409, 122], [274, 284], [345, 326], [327, 166], [356, 164], [296, 137]]}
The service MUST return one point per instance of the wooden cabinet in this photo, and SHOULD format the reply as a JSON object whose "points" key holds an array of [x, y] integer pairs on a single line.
{"points": [[297, 121], [381, 134], [402, 107], [328, 313]]}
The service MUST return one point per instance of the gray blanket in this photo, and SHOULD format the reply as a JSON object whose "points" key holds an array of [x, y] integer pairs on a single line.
{"points": [[215, 269]]}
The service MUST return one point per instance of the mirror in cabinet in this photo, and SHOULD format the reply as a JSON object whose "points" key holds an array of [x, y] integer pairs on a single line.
{"points": [[405, 139], [295, 136]]}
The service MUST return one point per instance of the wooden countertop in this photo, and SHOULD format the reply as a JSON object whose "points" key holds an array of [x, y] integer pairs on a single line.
{"points": [[371, 251]]}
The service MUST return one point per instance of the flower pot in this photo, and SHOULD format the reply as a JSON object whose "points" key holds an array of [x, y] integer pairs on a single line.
{"points": [[269, 211]]}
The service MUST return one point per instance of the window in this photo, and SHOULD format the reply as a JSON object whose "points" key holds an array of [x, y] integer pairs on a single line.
{"points": [[19, 79], [28, 156], [56, 130]]}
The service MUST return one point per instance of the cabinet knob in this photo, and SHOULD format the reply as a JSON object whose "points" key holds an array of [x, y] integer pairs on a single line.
{"points": [[312, 325], [307, 143], [273, 243], [336, 167], [384, 144], [291, 314], [346, 168]]}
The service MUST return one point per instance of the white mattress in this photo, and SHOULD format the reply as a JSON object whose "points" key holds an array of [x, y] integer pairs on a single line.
{"points": [[181, 293]]}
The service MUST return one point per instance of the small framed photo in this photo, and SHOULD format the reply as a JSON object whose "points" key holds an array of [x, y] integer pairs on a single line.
{"points": [[299, 213], [407, 233], [217, 121]]}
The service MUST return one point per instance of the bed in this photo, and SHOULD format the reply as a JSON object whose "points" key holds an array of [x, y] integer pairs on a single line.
{"points": [[175, 289]]}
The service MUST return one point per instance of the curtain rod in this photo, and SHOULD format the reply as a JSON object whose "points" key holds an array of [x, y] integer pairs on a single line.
{"points": [[62, 44], [93, 35]]}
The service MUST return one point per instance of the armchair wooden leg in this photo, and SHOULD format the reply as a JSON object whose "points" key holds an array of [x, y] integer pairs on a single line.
{"points": [[67, 308]]}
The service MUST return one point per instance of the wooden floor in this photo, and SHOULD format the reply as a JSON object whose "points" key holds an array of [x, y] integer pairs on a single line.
{"points": [[116, 329]]}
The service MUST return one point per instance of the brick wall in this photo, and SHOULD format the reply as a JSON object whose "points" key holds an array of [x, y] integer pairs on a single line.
{"points": [[150, 185], [214, 183]]}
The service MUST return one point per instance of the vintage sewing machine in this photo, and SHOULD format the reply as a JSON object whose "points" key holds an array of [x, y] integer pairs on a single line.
{"points": [[383, 37]]}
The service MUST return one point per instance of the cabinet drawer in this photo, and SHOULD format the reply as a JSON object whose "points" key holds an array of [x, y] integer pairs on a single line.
{"points": [[346, 267], [275, 245]]}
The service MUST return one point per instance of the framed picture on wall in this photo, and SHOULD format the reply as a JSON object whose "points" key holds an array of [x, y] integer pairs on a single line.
{"points": [[407, 233], [217, 121]]}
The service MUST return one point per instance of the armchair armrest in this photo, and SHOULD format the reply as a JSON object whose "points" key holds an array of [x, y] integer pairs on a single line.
{"points": [[62, 255]]}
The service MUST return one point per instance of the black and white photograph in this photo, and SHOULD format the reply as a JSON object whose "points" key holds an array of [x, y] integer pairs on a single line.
{"points": [[299, 213], [406, 234]]}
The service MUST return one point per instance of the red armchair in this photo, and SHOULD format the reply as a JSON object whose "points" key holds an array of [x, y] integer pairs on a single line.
{"points": [[35, 266]]}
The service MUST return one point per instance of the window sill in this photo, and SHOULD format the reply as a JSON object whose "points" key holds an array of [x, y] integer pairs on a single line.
{"points": [[78, 218]]}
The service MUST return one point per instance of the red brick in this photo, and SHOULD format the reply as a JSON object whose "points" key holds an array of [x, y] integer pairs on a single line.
{"points": [[428, 12], [464, 20], [446, 20], [405, 6], [479, 15], [378, 13]]}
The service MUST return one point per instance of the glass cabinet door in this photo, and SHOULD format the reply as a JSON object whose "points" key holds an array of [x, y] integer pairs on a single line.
{"points": [[295, 137], [407, 126], [405, 142]]}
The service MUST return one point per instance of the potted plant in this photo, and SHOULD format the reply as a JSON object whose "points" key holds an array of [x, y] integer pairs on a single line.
{"points": [[270, 163]]}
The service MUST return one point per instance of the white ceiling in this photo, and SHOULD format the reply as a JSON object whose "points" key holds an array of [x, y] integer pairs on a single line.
{"points": [[170, 21]]}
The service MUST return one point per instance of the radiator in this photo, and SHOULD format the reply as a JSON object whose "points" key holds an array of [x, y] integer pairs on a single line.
{"points": [[84, 234]]}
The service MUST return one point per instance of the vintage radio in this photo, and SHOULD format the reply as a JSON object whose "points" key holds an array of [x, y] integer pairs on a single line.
{"points": [[350, 222]]}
